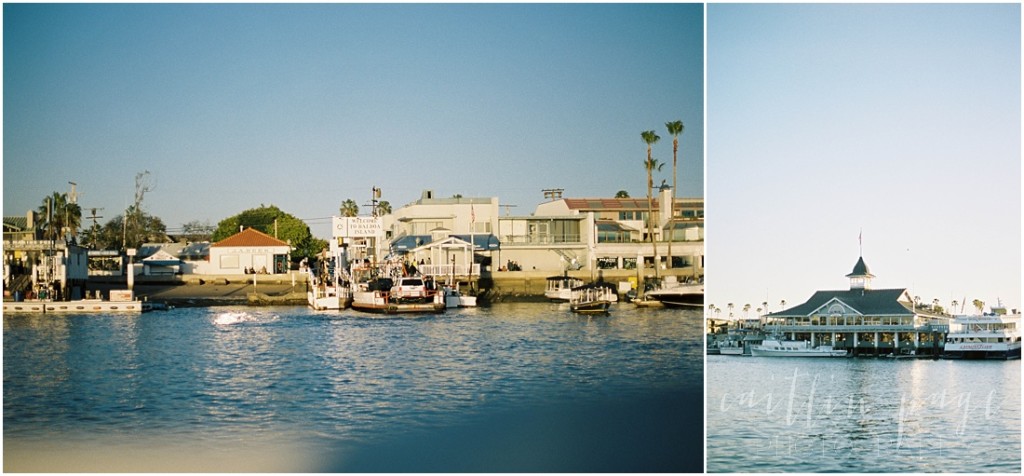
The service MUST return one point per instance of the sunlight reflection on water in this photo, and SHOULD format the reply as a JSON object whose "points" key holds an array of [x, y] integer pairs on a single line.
{"points": [[192, 380]]}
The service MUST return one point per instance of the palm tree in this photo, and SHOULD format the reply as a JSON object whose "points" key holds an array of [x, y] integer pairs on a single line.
{"points": [[675, 129], [349, 208], [58, 217], [650, 138], [746, 310], [979, 305], [384, 208]]}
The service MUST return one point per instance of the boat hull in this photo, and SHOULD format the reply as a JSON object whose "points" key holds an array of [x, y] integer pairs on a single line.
{"points": [[680, 296], [976, 352], [591, 307], [756, 352], [377, 302], [730, 350]]}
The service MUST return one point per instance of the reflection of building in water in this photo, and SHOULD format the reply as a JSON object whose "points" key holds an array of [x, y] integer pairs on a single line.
{"points": [[864, 321]]}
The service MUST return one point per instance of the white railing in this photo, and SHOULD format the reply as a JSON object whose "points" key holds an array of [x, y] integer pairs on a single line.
{"points": [[448, 269]]}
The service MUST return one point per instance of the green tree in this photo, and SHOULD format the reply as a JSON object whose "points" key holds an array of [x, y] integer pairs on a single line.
{"points": [[622, 194], [675, 129], [58, 218], [265, 219], [349, 208], [651, 164], [120, 234], [194, 231], [384, 208]]}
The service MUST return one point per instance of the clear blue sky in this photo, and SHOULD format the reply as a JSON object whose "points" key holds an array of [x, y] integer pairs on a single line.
{"points": [[903, 121], [303, 106]]}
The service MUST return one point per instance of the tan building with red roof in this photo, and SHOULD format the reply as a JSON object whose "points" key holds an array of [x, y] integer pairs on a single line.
{"points": [[249, 251]]}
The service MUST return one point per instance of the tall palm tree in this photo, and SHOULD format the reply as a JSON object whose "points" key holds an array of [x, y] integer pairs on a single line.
{"points": [[651, 164], [675, 129], [349, 208], [383, 208]]}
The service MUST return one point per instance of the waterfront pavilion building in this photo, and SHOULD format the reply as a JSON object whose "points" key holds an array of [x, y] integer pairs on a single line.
{"points": [[864, 321]]}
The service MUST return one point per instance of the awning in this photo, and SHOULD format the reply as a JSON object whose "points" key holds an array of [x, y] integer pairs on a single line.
{"points": [[482, 242]]}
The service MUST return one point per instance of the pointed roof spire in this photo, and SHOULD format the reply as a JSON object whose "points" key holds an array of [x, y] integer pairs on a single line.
{"points": [[860, 270], [860, 278]]}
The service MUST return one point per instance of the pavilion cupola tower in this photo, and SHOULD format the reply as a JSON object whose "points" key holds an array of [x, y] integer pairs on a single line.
{"points": [[860, 278]]}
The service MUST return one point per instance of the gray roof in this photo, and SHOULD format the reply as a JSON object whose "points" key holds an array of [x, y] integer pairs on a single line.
{"points": [[18, 222], [860, 269], [867, 302]]}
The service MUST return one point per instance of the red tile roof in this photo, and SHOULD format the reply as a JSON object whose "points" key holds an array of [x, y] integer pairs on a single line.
{"points": [[250, 237]]}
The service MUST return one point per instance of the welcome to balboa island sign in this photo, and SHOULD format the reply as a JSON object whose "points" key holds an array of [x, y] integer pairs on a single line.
{"points": [[358, 227]]}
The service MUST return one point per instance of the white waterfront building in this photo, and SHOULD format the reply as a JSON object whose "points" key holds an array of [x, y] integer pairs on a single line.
{"points": [[577, 234]]}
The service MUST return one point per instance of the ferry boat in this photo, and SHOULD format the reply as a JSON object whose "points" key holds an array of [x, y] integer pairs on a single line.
{"points": [[408, 295], [983, 337], [592, 298], [788, 348], [559, 288]]}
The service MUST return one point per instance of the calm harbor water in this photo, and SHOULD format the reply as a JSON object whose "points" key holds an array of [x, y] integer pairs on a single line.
{"points": [[862, 415], [514, 387]]}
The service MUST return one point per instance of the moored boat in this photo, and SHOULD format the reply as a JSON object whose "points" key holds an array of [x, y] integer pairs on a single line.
{"points": [[730, 347], [454, 298], [328, 287], [680, 295], [983, 337], [559, 288], [787, 348]]}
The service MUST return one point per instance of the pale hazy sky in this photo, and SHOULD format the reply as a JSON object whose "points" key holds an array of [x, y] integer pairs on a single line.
{"points": [[304, 106], [903, 121]]}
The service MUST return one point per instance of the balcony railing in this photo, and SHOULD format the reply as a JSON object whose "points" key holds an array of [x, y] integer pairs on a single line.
{"points": [[448, 269], [540, 239]]}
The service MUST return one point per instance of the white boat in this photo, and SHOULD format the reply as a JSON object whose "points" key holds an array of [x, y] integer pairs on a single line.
{"points": [[328, 287], [592, 298], [454, 298], [730, 347], [790, 348], [983, 337], [678, 295], [559, 288]]}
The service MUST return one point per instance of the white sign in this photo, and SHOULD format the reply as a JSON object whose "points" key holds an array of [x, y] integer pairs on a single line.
{"points": [[358, 227]]}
